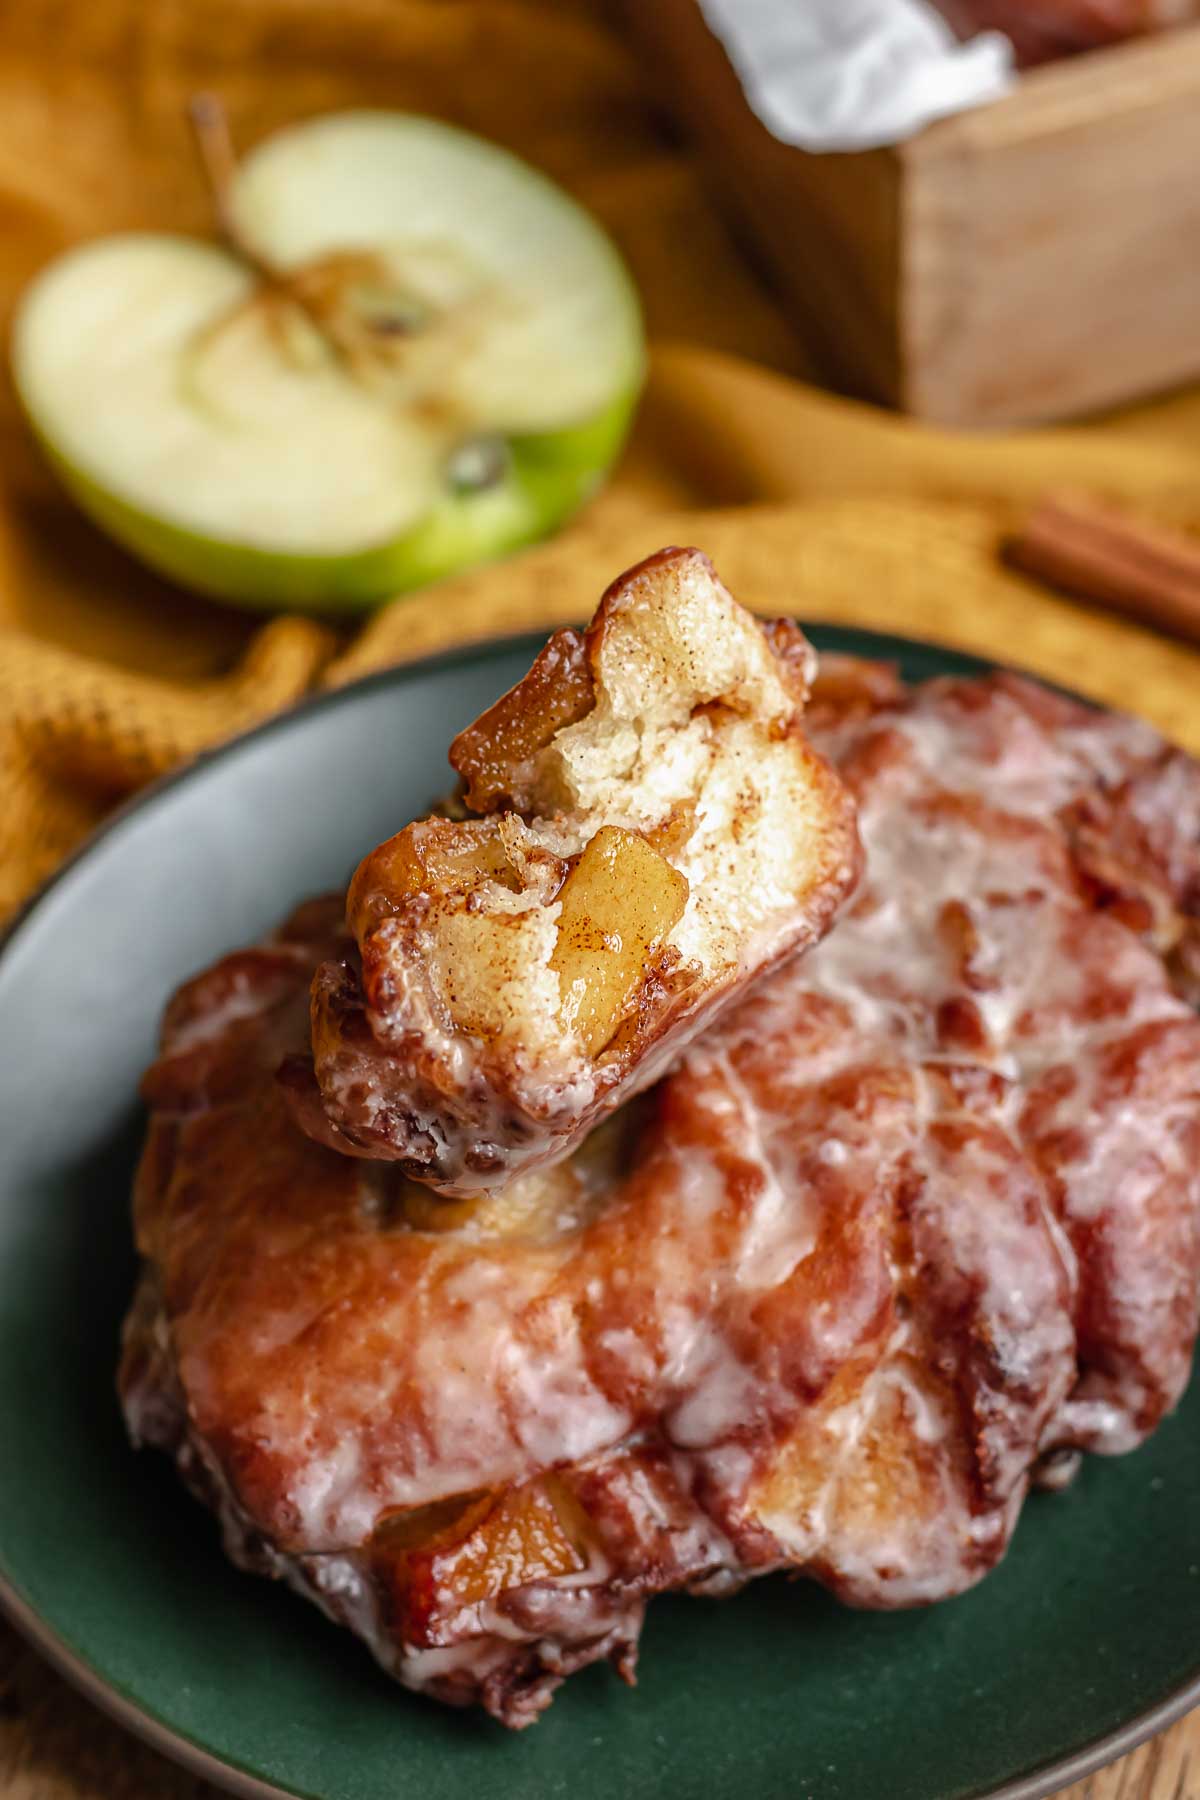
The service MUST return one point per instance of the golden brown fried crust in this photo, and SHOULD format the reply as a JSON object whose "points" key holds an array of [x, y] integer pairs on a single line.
{"points": [[919, 1217], [465, 1038], [492, 755]]}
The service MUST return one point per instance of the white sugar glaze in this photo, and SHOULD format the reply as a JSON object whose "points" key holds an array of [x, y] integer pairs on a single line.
{"points": [[923, 1209]]}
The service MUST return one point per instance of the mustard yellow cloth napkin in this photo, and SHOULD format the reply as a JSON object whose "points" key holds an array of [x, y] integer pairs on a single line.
{"points": [[808, 504]]}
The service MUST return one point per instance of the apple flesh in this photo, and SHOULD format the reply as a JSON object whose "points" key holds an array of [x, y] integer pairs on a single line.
{"points": [[425, 355]]}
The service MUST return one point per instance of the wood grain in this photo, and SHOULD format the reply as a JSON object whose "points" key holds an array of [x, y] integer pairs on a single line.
{"points": [[1054, 224], [1058, 223]]}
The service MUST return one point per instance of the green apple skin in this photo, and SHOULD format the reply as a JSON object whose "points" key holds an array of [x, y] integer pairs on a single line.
{"points": [[548, 478]]}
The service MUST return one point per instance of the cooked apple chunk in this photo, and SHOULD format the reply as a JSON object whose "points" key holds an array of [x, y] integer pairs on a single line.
{"points": [[430, 1563], [614, 910], [645, 830]]}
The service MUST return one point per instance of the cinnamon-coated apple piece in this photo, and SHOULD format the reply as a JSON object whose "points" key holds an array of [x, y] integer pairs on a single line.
{"points": [[645, 830], [615, 909]]}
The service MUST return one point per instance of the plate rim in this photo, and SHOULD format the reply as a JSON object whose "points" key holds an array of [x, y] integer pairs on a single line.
{"points": [[129, 1713]]}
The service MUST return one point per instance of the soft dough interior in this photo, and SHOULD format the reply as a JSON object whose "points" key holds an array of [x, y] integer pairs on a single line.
{"points": [[691, 747]]}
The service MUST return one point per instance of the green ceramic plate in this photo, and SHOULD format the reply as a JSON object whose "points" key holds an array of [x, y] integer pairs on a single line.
{"points": [[1084, 1641]]}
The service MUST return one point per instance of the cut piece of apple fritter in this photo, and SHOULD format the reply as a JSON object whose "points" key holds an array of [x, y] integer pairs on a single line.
{"points": [[645, 830]]}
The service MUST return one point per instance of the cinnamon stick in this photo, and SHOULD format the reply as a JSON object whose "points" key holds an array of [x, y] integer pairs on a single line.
{"points": [[1100, 553]]}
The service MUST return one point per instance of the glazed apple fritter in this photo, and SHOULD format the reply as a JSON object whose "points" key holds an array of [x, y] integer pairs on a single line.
{"points": [[913, 1226], [644, 829]]}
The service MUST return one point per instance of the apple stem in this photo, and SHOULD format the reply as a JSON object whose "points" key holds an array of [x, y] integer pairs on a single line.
{"points": [[318, 289], [214, 144]]}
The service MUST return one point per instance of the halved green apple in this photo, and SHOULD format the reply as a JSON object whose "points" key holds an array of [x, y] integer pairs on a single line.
{"points": [[422, 354]]}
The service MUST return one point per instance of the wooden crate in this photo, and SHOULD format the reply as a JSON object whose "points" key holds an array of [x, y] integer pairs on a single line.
{"points": [[1033, 259]]}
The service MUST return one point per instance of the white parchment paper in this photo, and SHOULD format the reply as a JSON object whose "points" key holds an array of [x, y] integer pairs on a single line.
{"points": [[853, 74]]}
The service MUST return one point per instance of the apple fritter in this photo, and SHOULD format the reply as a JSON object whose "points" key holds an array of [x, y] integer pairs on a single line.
{"points": [[644, 830], [914, 1225]]}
